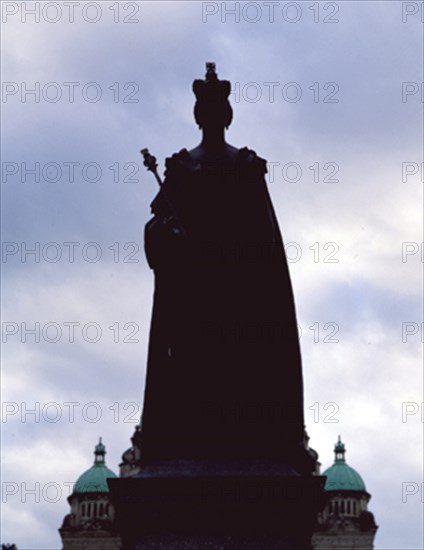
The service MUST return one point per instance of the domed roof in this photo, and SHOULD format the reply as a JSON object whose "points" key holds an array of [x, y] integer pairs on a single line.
{"points": [[95, 479], [340, 476]]}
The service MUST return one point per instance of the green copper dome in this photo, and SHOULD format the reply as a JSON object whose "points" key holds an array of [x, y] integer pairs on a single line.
{"points": [[340, 476], [95, 479]]}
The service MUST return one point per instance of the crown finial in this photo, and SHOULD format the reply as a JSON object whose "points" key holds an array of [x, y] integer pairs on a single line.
{"points": [[211, 88], [211, 71]]}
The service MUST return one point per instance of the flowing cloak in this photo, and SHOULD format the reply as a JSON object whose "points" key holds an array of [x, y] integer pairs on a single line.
{"points": [[224, 375]]}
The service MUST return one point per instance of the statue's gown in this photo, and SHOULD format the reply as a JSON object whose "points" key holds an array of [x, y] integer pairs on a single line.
{"points": [[224, 377]]}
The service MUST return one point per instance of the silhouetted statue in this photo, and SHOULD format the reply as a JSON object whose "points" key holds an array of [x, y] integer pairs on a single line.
{"points": [[224, 378]]}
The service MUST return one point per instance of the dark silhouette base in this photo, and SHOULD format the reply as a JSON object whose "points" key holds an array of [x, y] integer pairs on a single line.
{"points": [[210, 505]]}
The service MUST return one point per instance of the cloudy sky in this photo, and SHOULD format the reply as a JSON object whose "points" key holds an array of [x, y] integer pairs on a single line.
{"points": [[330, 94]]}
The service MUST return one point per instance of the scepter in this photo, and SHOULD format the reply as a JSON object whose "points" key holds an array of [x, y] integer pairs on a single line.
{"points": [[152, 166]]}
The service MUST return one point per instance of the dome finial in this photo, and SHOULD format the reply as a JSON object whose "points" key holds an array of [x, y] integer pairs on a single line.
{"points": [[99, 452], [339, 450]]}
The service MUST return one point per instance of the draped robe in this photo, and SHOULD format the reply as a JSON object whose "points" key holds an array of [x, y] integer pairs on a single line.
{"points": [[224, 375]]}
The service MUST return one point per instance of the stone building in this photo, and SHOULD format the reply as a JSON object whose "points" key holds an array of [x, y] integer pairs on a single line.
{"points": [[90, 524], [345, 522]]}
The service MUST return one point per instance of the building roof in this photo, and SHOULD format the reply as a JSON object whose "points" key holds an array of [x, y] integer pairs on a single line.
{"points": [[340, 476], [94, 480]]}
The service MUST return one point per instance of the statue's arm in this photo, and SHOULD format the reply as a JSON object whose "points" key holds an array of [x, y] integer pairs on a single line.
{"points": [[264, 224], [163, 233]]}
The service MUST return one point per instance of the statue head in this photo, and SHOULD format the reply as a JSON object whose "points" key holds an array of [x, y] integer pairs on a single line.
{"points": [[212, 108]]}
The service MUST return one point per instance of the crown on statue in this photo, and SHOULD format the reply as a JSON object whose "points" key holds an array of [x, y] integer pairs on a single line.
{"points": [[211, 89]]}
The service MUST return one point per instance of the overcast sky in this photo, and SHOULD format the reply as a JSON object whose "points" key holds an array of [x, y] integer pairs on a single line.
{"points": [[331, 95]]}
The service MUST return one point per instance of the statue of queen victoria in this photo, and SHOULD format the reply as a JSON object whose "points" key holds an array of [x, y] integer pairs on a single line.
{"points": [[224, 375]]}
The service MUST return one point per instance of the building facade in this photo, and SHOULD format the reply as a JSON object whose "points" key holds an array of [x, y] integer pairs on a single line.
{"points": [[345, 522], [90, 525]]}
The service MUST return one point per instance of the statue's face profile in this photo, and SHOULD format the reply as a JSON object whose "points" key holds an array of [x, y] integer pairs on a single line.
{"points": [[212, 115]]}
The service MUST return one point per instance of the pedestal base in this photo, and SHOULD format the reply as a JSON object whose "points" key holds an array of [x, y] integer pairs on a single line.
{"points": [[229, 505]]}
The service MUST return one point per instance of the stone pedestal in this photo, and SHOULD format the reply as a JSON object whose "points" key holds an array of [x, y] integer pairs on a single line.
{"points": [[208, 505]]}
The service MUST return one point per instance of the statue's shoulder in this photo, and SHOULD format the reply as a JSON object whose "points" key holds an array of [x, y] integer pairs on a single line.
{"points": [[176, 168], [177, 162], [250, 157]]}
